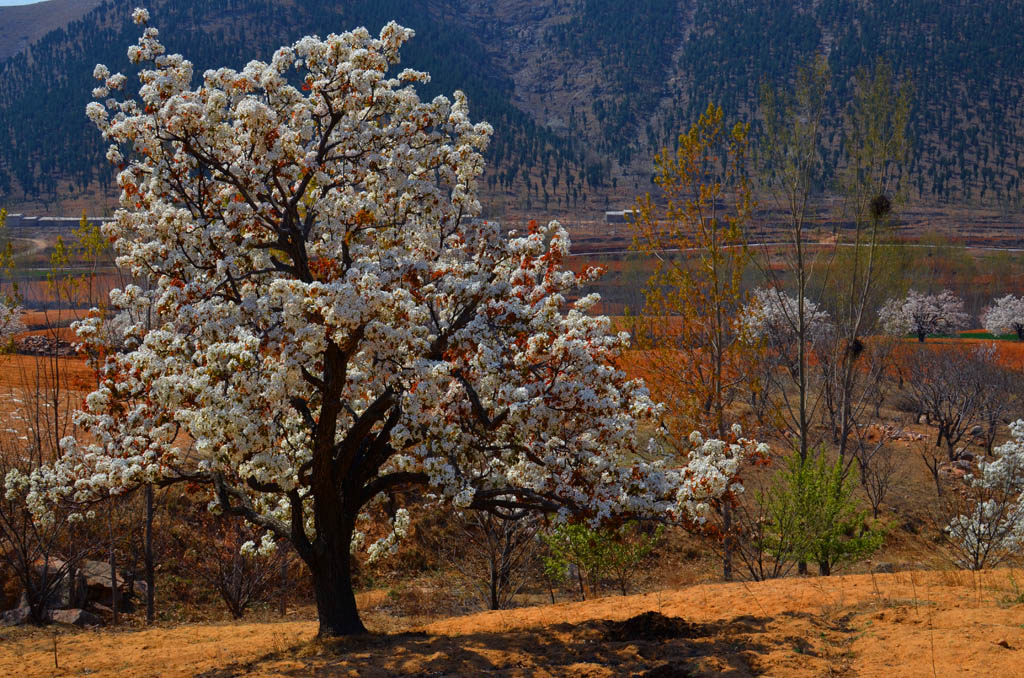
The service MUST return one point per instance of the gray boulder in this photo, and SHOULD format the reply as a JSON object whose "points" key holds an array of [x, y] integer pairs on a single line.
{"points": [[15, 617], [97, 583], [74, 617]]}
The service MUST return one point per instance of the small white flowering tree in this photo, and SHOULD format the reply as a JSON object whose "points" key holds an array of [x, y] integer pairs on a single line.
{"points": [[923, 314], [334, 325], [1006, 314], [993, 527], [772, 316]]}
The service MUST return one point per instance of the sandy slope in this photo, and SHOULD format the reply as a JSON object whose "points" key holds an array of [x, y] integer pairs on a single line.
{"points": [[894, 625]]}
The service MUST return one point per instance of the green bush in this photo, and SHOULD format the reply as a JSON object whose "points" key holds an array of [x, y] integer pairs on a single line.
{"points": [[813, 516], [597, 555]]}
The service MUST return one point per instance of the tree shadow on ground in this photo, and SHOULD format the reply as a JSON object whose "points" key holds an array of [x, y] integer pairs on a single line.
{"points": [[649, 645]]}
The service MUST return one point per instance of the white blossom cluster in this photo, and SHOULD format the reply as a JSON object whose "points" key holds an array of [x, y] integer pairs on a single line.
{"points": [[995, 525], [772, 316], [924, 314], [10, 322], [388, 545], [1006, 314], [329, 315]]}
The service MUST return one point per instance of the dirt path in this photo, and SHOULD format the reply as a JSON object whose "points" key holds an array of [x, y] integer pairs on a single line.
{"points": [[901, 625]]}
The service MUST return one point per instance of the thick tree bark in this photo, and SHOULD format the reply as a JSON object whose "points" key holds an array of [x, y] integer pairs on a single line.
{"points": [[331, 568]]}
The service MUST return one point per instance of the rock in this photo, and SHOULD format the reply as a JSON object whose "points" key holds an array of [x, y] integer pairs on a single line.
{"points": [[977, 431], [141, 589], [15, 617], [35, 344], [96, 575], [965, 455], [74, 617], [65, 589], [962, 465], [923, 419]]}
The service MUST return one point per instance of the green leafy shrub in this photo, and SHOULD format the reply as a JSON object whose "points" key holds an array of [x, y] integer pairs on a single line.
{"points": [[813, 516], [596, 556]]}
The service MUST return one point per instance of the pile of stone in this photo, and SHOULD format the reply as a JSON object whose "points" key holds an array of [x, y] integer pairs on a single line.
{"points": [[82, 596], [35, 344]]}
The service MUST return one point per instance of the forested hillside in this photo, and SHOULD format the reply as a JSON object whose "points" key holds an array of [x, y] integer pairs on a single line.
{"points": [[582, 92]]}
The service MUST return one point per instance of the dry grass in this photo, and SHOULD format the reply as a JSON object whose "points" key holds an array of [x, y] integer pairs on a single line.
{"points": [[894, 625]]}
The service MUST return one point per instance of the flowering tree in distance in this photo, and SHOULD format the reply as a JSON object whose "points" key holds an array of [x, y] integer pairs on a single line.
{"points": [[1006, 314], [924, 314], [334, 325], [992, 530], [772, 316]]}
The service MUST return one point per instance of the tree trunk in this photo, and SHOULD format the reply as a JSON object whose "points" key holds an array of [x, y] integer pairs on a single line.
{"points": [[148, 556], [727, 543], [331, 568], [494, 585], [824, 569], [921, 336], [113, 569], [282, 603]]}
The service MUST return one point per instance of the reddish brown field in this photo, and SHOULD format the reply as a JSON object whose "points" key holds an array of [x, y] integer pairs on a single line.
{"points": [[25, 371]]}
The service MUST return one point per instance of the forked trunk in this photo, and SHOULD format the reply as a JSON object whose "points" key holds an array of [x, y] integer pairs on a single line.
{"points": [[331, 567]]}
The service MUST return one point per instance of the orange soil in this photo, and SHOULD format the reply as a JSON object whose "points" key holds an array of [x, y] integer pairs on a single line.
{"points": [[899, 625], [43, 319], [25, 371], [1009, 353]]}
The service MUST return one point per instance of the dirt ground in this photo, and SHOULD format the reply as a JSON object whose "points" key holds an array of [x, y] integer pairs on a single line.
{"points": [[900, 625]]}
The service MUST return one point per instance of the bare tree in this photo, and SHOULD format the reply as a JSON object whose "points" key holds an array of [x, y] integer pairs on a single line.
{"points": [[879, 464], [493, 553], [764, 553], [950, 387], [227, 560]]}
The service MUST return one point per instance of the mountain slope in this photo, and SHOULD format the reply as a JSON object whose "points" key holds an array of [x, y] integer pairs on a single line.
{"points": [[581, 92], [22, 25]]}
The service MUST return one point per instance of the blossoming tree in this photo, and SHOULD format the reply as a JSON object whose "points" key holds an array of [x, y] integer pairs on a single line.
{"points": [[923, 314], [1006, 314], [335, 325], [772, 316], [992, 529]]}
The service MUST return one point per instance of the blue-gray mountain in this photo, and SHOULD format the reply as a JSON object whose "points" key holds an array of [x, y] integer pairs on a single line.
{"points": [[581, 92]]}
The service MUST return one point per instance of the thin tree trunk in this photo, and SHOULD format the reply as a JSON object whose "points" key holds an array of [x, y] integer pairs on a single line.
{"points": [[282, 603], [113, 568], [149, 559], [727, 543]]}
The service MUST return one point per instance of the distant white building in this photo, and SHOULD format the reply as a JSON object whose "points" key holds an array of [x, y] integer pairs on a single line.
{"points": [[619, 217]]}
